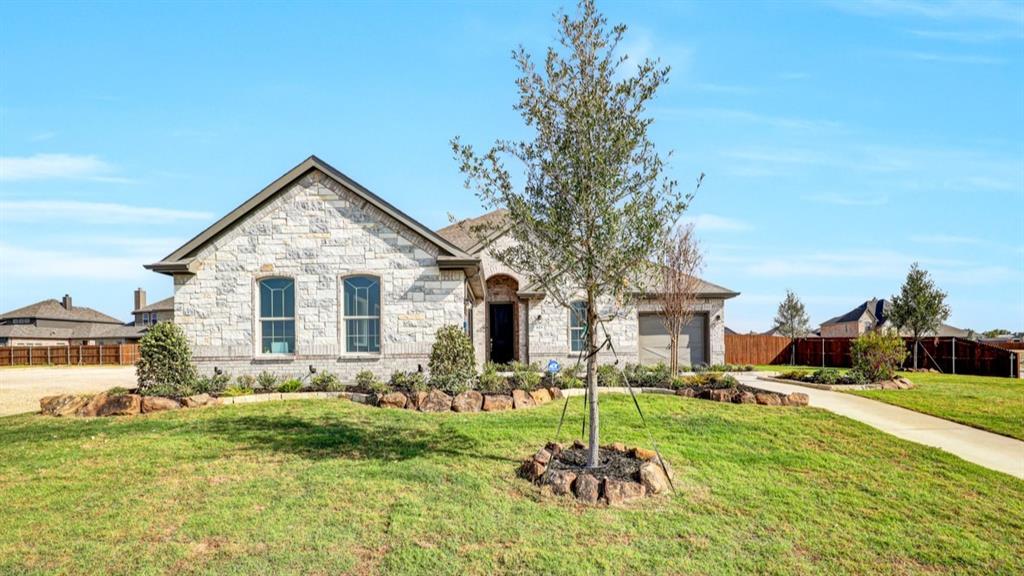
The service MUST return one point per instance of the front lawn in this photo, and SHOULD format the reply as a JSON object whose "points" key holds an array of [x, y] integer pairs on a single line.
{"points": [[332, 487], [989, 403]]}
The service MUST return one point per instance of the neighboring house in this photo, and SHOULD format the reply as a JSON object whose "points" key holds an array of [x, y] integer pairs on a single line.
{"points": [[147, 315], [317, 271], [60, 323], [874, 315]]}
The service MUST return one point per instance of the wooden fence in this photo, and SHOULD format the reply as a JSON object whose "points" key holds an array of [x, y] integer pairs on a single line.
{"points": [[948, 355], [97, 355]]}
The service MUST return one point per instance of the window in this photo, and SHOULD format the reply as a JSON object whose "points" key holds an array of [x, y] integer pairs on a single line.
{"points": [[577, 325], [362, 314], [277, 315]]}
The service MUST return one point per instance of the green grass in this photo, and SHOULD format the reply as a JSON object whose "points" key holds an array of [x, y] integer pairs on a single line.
{"points": [[989, 403], [331, 487]]}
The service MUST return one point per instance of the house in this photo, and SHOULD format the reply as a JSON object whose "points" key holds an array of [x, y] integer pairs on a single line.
{"points": [[317, 271], [873, 315], [60, 323], [149, 314]]}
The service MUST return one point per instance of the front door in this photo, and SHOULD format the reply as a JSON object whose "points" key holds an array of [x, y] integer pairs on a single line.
{"points": [[502, 332]]}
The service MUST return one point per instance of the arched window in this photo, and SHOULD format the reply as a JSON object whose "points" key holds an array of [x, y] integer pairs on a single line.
{"points": [[277, 315], [362, 314], [577, 325]]}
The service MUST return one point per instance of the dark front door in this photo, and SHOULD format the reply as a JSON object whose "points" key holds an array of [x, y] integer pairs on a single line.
{"points": [[502, 328]]}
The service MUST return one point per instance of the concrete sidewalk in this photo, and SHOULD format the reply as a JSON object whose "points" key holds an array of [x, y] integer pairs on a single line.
{"points": [[990, 450]]}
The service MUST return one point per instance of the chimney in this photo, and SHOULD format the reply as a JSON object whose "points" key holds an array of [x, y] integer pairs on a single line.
{"points": [[66, 302], [140, 298]]}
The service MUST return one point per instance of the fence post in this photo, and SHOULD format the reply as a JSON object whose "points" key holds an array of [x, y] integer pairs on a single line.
{"points": [[29, 355], [47, 355], [954, 354], [822, 351], [101, 354], [68, 352]]}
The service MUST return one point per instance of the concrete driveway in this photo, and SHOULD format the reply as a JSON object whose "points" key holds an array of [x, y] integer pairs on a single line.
{"points": [[990, 450], [21, 388]]}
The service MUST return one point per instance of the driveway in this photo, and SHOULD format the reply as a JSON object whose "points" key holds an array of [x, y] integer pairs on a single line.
{"points": [[990, 450], [21, 388]]}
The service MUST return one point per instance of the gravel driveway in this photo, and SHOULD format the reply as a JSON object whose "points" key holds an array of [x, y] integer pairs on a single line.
{"points": [[21, 388]]}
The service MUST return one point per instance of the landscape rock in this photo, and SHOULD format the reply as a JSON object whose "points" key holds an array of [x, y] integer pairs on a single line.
{"points": [[653, 478], [767, 399], [63, 404], [556, 393], [744, 397], [436, 401], [468, 401], [618, 492], [617, 447], [903, 384], [532, 470], [888, 385], [497, 403], [543, 456], [104, 404], [540, 396], [587, 488], [561, 482], [643, 454], [414, 400], [361, 398], [724, 395], [797, 399], [554, 447], [393, 400], [578, 445], [158, 404], [686, 392], [196, 400], [521, 399]]}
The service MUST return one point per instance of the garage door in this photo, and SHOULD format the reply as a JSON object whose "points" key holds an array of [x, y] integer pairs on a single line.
{"points": [[655, 344]]}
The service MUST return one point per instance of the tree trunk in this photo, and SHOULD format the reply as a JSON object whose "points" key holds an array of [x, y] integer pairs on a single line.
{"points": [[673, 355], [915, 351], [593, 456]]}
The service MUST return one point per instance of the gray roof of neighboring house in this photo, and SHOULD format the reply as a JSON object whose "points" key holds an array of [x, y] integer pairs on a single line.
{"points": [[879, 310], [182, 259], [85, 331], [53, 310], [165, 305]]}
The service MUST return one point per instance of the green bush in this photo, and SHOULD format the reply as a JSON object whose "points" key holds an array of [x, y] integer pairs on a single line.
{"points": [[878, 354], [117, 391], [291, 385], [236, 390], [526, 379], [452, 364], [267, 381], [365, 379], [379, 387], [325, 382], [825, 376], [165, 361], [490, 380], [246, 381], [213, 384], [408, 381], [608, 375], [713, 380]]}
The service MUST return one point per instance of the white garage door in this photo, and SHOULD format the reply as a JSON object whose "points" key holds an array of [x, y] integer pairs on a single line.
{"points": [[655, 343]]}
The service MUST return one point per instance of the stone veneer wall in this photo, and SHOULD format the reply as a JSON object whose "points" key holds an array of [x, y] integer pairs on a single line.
{"points": [[316, 232]]}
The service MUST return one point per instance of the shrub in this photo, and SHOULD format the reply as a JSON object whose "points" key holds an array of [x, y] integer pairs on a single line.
{"points": [[409, 381], [365, 379], [800, 375], [267, 381], [570, 382], [165, 360], [290, 385], [878, 354], [117, 391], [237, 390], [246, 381], [452, 364], [680, 382], [166, 391], [213, 385], [825, 376], [490, 380], [526, 379], [608, 375], [713, 380], [325, 382]]}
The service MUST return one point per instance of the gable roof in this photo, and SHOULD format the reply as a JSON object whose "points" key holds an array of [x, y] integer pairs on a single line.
{"points": [[182, 259], [159, 305], [53, 310], [465, 233], [877, 308]]}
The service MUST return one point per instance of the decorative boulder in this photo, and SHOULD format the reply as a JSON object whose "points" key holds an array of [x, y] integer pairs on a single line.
{"points": [[497, 403], [521, 399], [619, 492], [617, 447], [436, 401], [643, 454], [554, 447], [393, 400], [556, 393], [158, 404], [414, 400], [532, 470], [654, 478], [561, 482], [104, 404], [540, 396], [724, 395], [686, 392], [902, 383], [468, 401], [63, 404], [767, 399], [797, 399], [587, 488], [543, 456], [196, 401], [744, 397]]}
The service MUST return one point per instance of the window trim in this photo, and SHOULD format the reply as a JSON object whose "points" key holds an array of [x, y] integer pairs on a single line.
{"points": [[258, 317], [342, 318], [572, 328]]}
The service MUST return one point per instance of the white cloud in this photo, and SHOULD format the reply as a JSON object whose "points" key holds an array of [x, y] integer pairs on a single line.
{"points": [[56, 167], [848, 200], [705, 222], [91, 212], [29, 263]]}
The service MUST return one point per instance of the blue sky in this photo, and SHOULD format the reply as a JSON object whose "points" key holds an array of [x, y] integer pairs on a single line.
{"points": [[841, 141]]}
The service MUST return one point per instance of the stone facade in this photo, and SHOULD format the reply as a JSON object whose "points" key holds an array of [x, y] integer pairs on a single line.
{"points": [[317, 233]]}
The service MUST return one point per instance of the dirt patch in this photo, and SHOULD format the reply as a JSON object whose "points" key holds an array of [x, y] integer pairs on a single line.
{"points": [[21, 388]]}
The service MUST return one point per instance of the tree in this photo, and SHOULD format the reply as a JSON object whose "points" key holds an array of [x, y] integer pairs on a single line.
{"points": [[165, 365], [920, 307], [996, 333], [791, 318], [593, 203], [680, 263]]}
